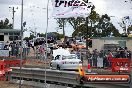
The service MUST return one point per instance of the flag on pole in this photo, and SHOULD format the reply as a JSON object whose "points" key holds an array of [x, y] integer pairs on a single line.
{"points": [[127, 20], [70, 8]]}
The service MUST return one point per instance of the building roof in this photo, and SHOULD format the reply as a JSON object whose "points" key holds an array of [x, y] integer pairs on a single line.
{"points": [[9, 30], [113, 38]]}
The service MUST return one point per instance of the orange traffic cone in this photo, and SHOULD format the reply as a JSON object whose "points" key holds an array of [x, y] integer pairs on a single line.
{"points": [[89, 67]]}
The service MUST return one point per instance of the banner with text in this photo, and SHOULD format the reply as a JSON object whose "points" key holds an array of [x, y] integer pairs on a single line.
{"points": [[108, 78], [71, 8]]}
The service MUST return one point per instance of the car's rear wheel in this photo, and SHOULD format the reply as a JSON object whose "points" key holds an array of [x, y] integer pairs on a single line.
{"points": [[58, 67]]}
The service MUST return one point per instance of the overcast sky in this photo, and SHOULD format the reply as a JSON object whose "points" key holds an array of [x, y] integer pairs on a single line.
{"points": [[35, 13]]}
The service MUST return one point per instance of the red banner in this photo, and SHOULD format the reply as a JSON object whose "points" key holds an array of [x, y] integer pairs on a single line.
{"points": [[120, 64]]}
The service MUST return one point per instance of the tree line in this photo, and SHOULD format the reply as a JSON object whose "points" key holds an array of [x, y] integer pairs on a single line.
{"points": [[5, 24]]}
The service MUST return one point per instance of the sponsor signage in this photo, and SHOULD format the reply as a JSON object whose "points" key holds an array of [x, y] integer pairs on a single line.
{"points": [[70, 8], [120, 64], [107, 78]]}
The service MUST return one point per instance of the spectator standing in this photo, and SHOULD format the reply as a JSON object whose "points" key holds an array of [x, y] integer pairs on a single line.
{"points": [[122, 52], [95, 55], [100, 59], [48, 51], [125, 52], [109, 56], [10, 48], [32, 44], [42, 52], [105, 60], [89, 55], [6, 45], [13, 48], [78, 54], [24, 49]]}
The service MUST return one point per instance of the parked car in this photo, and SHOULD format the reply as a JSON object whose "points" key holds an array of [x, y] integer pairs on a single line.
{"points": [[79, 45]]}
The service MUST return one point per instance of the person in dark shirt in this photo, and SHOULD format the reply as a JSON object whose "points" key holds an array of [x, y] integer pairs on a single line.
{"points": [[95, 55], [122, 52]]}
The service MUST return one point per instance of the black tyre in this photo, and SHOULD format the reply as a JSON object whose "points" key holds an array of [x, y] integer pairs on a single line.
{"points": [[51, 66], [58, 67]]}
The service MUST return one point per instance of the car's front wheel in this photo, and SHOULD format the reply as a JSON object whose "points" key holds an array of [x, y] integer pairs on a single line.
{"points": [[51, 67], [58, 67]]}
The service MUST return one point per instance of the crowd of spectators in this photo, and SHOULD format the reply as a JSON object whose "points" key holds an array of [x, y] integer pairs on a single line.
{"points": [[15, 48], [96, 56], [40, 51]]}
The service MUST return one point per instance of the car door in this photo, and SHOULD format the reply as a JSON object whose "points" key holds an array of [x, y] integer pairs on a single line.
{"points": [[55, 61]]}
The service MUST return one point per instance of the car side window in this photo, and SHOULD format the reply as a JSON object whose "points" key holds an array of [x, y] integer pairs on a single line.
{"points": [[63, 57], [57, 57]]}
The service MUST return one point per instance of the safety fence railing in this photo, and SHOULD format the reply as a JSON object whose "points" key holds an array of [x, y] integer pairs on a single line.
{"points": [[52, 76], [68, 78]]}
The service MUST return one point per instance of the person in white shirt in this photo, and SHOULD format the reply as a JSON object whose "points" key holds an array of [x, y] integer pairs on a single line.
{"points": [[10, 48]]}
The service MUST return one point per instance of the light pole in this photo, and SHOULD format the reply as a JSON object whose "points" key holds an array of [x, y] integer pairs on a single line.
{"points": [[46, 41], [13, 12], [21, 41]]}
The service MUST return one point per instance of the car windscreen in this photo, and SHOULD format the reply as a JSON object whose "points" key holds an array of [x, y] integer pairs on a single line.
{"points": [[81, 43]]}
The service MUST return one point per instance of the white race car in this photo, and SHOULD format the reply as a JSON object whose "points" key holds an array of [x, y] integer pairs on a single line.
{"points": [[69, 62], [63, 61]]}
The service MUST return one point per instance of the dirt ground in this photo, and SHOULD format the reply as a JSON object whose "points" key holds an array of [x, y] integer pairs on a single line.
{"points": [[30, 62], [6, 84]]}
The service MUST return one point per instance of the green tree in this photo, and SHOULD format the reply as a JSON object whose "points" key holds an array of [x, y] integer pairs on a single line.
{"points": [[99, 27], [61, 23], [58, 36], [41, 34], [31, 36], [80, 21], [129, 30], [80, 31], [112, 31], [5, 24], [26, 38], [92, 21], [106, 28], [75, 22], [103, 24]]}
